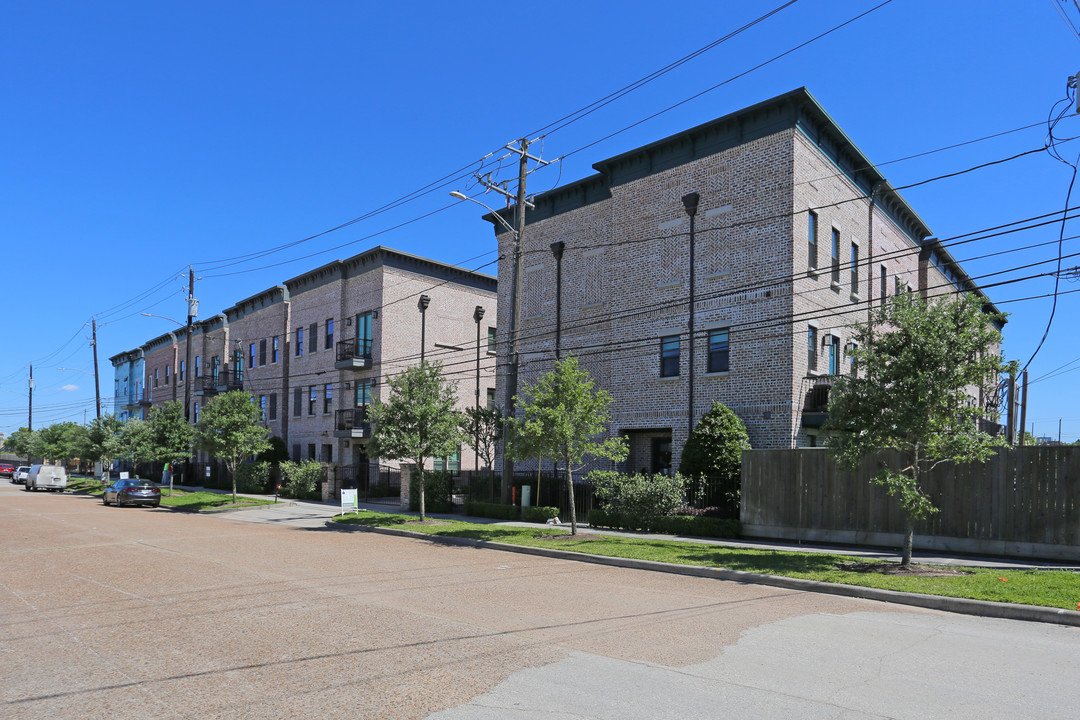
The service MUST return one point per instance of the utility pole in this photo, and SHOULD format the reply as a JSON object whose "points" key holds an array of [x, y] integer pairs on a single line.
{"points": [[30, 410], [515, 316], [193, 310], [97, 385], [1023, 409]]}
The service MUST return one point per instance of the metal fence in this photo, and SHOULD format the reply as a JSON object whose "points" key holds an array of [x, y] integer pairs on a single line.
{"points": [[377, 484]]}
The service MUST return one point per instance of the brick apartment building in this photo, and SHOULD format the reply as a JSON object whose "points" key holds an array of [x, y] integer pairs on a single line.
{"points": [[795, 236], [316, 350]]}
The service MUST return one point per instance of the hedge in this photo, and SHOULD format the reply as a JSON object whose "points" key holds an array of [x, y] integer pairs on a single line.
{"points": [[670, 524], [492, 510], [539, 514]]}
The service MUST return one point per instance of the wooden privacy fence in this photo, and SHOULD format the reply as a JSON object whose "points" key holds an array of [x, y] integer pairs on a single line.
{"points": [[1022, 502]]}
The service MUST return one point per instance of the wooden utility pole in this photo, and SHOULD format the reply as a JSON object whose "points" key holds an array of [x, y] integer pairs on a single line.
{"points": [[515, 318], [97, 384], [193, 310], [30, 409]]}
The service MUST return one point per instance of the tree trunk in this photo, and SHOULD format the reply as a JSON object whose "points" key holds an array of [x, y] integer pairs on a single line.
{"points": [[420, 483], [905, 561], [232, 475], [570, 492]]}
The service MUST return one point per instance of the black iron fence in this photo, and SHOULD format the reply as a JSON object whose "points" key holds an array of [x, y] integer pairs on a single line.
{"points": [[374, 483]]}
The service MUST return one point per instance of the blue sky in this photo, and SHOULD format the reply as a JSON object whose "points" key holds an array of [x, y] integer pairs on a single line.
{"points": [[139, 137]]}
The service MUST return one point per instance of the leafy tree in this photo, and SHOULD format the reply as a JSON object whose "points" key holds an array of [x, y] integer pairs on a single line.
{"points": [[714, 448], [561, 416], [59, 441], [482, 427], [276, 452], [918, 363], [418, 421], [169, 435], [133, 442], [103, 440], [21, 442], [229, 429]]}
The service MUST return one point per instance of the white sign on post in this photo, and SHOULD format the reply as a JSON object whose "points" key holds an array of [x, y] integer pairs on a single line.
{"points": [[349, 501]]}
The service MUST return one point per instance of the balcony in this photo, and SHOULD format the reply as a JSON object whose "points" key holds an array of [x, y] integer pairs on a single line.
{"points": [[143, 399], [816, 405], [229, 378], [131, 401], [204, 385], [353, 355], [352, 423]]}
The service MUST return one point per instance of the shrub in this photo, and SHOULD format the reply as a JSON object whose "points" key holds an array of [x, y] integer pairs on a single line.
{"points": [[639, 499], [437, 486], [300, 478], [276, 453], [491, 510], [698, 526], [252, 477], [539, 513], [714, 448]]}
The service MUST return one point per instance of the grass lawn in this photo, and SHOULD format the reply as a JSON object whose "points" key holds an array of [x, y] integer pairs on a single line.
{"points": [[180, 498], [1049, 588]]}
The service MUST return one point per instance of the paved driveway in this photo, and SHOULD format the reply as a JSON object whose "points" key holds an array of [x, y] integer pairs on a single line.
{"points": [[140, 613]]}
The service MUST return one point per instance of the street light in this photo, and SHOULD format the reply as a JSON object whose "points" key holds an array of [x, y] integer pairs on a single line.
{"points": [[163, 318], [424, 302], [463, 196]]}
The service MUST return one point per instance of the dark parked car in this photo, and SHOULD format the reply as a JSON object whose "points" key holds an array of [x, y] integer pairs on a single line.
{"points": [[132, 491], [7, 470]]}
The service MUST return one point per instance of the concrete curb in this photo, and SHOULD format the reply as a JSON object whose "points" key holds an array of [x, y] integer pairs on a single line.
{"points": [[984, 608]]}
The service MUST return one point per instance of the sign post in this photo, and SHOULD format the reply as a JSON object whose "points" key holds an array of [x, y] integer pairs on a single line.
{"points": [[349, 501]]}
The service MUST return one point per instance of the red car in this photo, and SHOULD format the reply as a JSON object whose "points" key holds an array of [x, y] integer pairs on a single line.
{"points": [[7, 470]]}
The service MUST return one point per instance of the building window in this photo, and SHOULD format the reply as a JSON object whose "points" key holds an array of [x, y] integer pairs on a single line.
{"points": [[299, 342], [155, 377], [811, 239], [183, 368], [311, 451], [296, 452], [669, 356], [313, 337], [811, 348], [198, 368], [884, 284], [450, 463], [849, 350], [273, 406], [215, 367], [492, 339], [262, 408], [718, 350], [238, 366], [835, 250], [262, 353], [328, 397], [274, 350], [196, 411], [251, 355], [168, 369], [363, 334], [854, 268], [834, 355], [329, 344], [297, 398], [313, 396], [328, 453], [491, 398], [363, 392]]}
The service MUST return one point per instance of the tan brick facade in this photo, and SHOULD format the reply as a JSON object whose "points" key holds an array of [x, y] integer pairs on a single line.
{"points": [[761, 175], [304, 391]]}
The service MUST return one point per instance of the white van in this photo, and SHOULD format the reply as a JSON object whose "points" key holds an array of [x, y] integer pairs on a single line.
{"points": [[48, 477]]}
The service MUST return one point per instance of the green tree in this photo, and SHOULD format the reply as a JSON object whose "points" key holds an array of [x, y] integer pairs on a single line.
{"points": [[918, 363], [482, 427], [561, 416], [229, 429], [133, 442], [714, 448], [300, 477], [418, 421], [103, 440], [169, 435], [58, 442], [21, 443]]}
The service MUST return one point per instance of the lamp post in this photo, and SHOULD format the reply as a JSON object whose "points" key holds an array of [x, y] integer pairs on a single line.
{"points": [[690, 203], [424, 302], [478, 315], [557, 249], [515, 306]]}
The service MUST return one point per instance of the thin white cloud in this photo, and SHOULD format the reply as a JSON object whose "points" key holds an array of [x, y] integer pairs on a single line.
{"points": [[69, 388]]}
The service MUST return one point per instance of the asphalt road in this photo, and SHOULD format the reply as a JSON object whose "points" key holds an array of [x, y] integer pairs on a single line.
{"points": [[139, 613]]}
